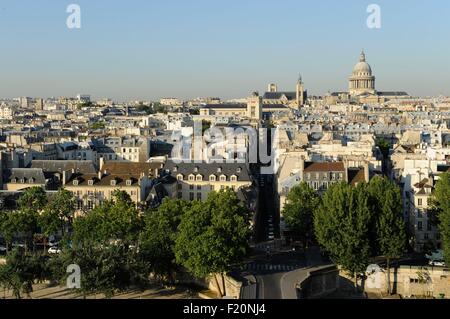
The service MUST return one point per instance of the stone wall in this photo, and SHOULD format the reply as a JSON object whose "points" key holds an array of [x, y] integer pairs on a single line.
{"points": [[406, 281], [319, 283]]}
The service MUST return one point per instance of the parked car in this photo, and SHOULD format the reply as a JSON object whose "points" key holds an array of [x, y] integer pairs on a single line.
{"points": [[54, 250], [2, 249], [438, 263]]}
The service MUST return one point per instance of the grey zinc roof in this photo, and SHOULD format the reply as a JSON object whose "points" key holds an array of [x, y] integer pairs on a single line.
{"points": [[278, 95], [84, 167], [26, 174], [207, 169]]}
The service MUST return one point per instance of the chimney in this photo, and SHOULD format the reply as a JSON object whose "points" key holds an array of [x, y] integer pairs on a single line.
{"points": [[366, 172], [101, 162], [302, 168], [100, 175]]}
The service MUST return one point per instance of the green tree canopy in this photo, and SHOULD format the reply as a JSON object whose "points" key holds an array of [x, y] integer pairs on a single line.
{"points": [[341, 225], [158, 238], [442, 203], [388, 222], [298, 211], [213, 235]]}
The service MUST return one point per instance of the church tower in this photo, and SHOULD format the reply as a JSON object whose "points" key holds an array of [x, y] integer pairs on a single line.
{"points": [[254, 106], [300, 92]]}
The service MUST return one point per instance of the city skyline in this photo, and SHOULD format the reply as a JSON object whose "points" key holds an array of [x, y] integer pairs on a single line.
{"points": [[152, 50]]}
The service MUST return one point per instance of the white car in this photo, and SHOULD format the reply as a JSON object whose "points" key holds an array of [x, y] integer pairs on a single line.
{"points": [[54, 250], [438, 263], [2, 249]]}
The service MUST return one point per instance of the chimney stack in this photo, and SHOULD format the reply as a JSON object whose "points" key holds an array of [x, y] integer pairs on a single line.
{"points": [[366, 172]]}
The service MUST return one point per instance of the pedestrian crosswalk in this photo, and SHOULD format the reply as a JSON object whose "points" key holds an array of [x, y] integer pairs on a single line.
{"points": [[269, 267]]}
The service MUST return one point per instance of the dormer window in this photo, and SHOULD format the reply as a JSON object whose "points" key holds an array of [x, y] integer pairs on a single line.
{"points": [[212, 178], [31, 180], [75, 182], [129, 182], [223, 178], [196, 170], [175, 169], [22, 180], [219, 170], [180, 177], [199, 178], [90, 182], [191, 178], [113, 182], [239, 170], [233, 178], [14, 180]]}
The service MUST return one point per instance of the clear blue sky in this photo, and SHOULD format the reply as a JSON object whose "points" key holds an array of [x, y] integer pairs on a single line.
{"points": [[147, 49]]}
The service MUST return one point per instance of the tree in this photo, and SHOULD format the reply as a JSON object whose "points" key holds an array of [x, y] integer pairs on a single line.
{"points": [[20, 271], [386, 204], [33, 198], [57, 213], [113, 221], [441, 199], [341, 224], [158, 238], [299, 209], [213, 235]]}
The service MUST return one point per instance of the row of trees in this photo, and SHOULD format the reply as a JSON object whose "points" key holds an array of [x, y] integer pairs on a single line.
{"points": [[354, 224], [350, 223], [118, 247]]}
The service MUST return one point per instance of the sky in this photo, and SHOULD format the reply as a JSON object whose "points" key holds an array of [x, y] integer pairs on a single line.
{"points": [[148, 49]]}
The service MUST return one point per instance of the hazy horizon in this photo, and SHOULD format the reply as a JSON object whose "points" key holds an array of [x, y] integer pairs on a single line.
{"points": [[146, 50]]}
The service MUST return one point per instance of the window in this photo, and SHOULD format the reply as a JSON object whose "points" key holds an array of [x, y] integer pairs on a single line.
{"points": [[308, 176], [419, 226], [233, 178], [180, 195], [113, 182], [75, 182], [191, 196], [199, 178], [199, 196], [429, 226], [180, 187], [426, 236], [129, 182], [180, 177], [91, 182], [419, 202], [191, 178], [199, 187], [212, 178], [212, 188], [223, 178], [191, 187]]}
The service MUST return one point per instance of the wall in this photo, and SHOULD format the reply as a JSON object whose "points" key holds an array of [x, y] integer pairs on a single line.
{"points": [[406, 281]]}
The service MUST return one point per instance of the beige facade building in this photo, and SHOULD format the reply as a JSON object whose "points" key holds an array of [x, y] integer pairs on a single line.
{"points": [[194, 181]]}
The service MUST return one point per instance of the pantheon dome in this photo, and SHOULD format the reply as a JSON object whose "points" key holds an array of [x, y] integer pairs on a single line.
{"points": [[362, 81]]}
